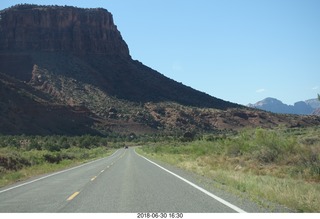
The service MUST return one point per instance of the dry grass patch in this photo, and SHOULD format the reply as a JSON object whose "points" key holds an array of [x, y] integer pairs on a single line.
{"points": [[282, 166]]}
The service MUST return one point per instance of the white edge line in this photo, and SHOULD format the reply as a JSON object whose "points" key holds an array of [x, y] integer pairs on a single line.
{"points": [[53, 174], [237, 209]]}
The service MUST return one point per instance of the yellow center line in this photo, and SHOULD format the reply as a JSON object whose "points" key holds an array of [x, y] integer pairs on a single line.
{"points": [[73, 196]]}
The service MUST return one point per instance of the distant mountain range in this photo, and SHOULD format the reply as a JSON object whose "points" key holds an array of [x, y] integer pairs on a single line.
{"points": [[307, 107]]}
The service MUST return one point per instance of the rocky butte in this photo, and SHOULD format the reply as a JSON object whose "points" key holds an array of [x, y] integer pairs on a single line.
{"points": [[91, 36], [67, 70], [57, 29]]}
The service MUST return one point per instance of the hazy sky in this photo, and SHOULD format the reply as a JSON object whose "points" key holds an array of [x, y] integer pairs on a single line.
{"points": [[237, 50]]}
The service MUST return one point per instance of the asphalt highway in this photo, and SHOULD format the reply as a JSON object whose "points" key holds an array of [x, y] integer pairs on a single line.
{"points": [[123, 182]]}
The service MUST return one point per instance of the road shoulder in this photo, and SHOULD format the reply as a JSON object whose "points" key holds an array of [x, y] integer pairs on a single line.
{"points": [[237, 198]]}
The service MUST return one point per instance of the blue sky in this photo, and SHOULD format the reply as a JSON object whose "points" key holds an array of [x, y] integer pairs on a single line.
{"points": [[238, 50]]}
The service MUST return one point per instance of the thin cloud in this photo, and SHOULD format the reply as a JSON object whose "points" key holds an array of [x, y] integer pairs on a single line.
{"points": [[315, 88], [260, 90]]}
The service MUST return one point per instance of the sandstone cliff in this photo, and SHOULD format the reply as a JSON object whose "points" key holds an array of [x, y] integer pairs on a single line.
{"points": [[85, 44], [67, 70], [56, 28]]}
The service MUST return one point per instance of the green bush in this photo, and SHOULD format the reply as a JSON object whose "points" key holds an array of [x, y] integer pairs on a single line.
{"points": [[34, 144], [13, 161], [266, 155], [52, 158]]}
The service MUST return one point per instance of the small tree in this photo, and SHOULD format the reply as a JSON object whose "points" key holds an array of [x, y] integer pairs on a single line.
{"points": [[318, 97]]}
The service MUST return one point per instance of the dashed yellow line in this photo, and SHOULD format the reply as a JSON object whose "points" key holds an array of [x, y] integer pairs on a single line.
{"points": [[93, 178], [73, 196]]}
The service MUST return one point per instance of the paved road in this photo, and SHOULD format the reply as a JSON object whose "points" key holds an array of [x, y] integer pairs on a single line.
{"points": [[122, 182]]}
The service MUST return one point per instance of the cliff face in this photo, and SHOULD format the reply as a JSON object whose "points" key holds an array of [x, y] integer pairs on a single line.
{"points": [[66, 70], [85, 44], [56, 28]]}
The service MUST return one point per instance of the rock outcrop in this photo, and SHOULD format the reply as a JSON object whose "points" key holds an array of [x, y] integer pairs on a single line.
{"points": [[57, 28], [85, 44], [67, 70]]}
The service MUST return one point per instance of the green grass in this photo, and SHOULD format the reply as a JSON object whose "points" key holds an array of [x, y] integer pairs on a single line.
{"points": [[39, 164], [22, 157], [282, 165]]}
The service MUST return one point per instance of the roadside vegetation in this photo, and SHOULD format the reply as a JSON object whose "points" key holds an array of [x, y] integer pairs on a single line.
{"points": [[22, 156], [280, 165]]}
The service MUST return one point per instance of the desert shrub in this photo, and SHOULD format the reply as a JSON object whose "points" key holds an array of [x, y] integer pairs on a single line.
{"points": [[157, 149], [63, 142], [34, 144], [52, 158], [9, 141], [84, 142], [51, 146], [310, 140], [210, 137], [35, 157], [13, 161], [266, 155], [188, 136], [310, 159], [84, 155], [268, 139], [68, 156]]}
